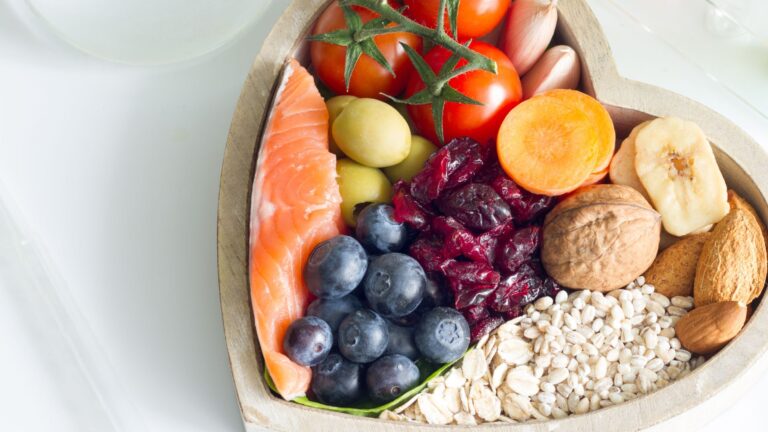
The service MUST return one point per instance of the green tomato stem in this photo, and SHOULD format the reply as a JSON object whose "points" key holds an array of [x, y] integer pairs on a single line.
{"points": [[438, 36]]}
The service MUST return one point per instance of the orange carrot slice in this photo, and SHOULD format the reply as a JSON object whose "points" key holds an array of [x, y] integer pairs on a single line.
{"points": [[548, 147], [595, 177], [599, 115]]}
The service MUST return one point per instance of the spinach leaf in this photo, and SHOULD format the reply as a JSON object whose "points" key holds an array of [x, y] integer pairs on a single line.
{"points": [[368, 408]]}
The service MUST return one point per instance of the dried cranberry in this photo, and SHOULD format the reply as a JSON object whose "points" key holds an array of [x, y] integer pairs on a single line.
{"points": [[471, 282], [517, 249], [407, 209], [517, 289], [430, 182], [471, 272], [505, 297], [453, 165], [491, 170], [471, 295], [428, 251], [475, 205], [531, 207], [525, 206], [473, 314], [500, 231], [457, 240], [537, 267], [489, 240], [551, 288], [484, 327], [507, 189], [513, 313], [530, 286], [467, 157]]}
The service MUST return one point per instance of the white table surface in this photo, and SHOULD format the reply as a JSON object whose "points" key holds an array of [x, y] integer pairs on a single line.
{"points": [[115, 168]]}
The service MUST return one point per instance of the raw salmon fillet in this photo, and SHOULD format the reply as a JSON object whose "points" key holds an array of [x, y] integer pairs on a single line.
{"points": [[294, 206]]}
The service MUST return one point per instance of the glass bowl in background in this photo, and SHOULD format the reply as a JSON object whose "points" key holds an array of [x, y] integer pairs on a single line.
{"points": [[726, 40], [740, 19], [148, 32]]}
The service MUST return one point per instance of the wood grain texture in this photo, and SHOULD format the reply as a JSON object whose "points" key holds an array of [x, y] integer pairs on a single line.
{"points": [[684, 405]]}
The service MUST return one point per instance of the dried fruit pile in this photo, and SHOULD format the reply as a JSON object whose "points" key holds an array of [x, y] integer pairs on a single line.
{"points": [[479, 233]]}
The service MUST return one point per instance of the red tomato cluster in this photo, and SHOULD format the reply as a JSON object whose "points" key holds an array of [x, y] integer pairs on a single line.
{"points": [[369, 78], [476, 18], [497, 93]]}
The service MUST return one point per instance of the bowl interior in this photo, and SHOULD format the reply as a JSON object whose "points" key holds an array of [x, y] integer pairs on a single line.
{"points": [[245, 356]]}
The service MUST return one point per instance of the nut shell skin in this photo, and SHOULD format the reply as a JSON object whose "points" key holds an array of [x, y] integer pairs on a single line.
{"points": [[674, 270], [733, 262], [737, 202], [706, 329], [600, 238]]}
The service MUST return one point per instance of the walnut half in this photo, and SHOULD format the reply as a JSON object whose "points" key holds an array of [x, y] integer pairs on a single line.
{"points": [[600, 238]]}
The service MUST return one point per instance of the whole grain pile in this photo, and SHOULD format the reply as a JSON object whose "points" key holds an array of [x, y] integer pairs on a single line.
{"points": [[571, 354]]}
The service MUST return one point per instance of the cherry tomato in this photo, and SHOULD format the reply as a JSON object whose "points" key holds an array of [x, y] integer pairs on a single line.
{"points": [[369, 79], [476, 17], [498, 93]]}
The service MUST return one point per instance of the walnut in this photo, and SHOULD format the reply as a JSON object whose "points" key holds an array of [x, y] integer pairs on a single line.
{"points": [[600, 238]]}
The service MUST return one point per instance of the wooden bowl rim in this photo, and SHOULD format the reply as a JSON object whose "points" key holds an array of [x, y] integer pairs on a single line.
{"points": [[727, 373]]}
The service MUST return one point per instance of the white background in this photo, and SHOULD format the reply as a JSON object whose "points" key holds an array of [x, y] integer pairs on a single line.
{"points": [[115, 168]]}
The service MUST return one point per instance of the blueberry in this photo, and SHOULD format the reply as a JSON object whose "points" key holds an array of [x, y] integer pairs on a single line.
{"points": [[308, 341], [401, 341], [442, 335], [391, 376], [363, 336], [335, 267], [435, 294], [378, 231], [333, 311], [409, 320], [337, 381], [394, 284]]}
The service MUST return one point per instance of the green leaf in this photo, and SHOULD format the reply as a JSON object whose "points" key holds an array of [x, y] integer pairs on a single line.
{"points": [[369, 408]]}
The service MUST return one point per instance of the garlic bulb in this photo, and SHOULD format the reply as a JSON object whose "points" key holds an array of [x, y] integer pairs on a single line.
{"points": [[557, 68], [530, 28]]}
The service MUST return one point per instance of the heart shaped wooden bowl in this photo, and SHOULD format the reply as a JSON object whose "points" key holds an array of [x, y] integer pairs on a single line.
{"points": [[683, 405]]}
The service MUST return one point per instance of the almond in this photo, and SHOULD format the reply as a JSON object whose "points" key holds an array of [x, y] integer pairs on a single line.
{"points": [[674, 270], [733, 261], [708, 328], [737, 202]]}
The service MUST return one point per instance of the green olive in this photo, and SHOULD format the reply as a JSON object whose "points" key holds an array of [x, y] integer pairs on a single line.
{"points": [[335, 106], [360, 184], [421, 150], [372, 133]]}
